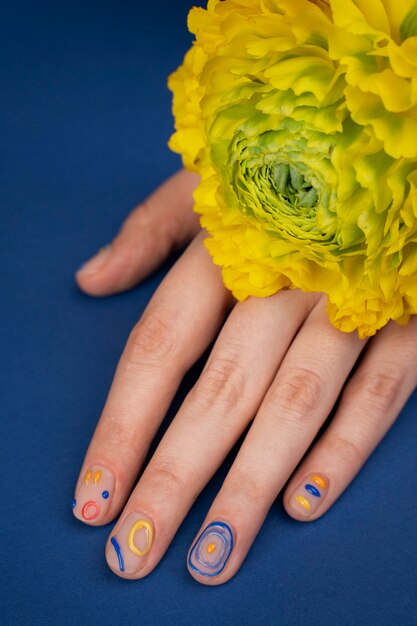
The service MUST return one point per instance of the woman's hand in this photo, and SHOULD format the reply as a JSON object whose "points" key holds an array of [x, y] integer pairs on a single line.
{"points": [[277, 361]]}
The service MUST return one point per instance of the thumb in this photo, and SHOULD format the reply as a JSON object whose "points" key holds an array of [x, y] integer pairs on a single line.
{"points": [[161, 224]]}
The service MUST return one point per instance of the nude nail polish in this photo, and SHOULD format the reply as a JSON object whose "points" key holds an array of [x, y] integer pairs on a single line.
{"points": [[129, 546], [96, 262], [309, 494], [94, 494], [210, 552]]}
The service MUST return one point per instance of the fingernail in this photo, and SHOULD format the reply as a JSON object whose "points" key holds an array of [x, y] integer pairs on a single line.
{"points": [[210, 552], [95, 264], [309, 494], [128, 548], [93, 494]]}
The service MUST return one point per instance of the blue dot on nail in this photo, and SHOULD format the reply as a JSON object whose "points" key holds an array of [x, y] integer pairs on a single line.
{"points": [[313, 490], [105, 494], [73, 502]]}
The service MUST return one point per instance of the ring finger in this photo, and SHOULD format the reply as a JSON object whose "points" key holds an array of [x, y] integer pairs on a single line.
{"points": [[370, 404]]}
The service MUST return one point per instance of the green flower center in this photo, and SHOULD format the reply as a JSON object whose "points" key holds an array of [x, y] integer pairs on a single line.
{"points": [[284, 182], [293, 187], [279, 195]]}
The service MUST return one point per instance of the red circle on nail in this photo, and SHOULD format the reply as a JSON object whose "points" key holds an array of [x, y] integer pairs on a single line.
{"points": [[87, 513]]}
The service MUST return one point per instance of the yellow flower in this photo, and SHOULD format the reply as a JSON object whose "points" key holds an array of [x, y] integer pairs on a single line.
{"points": [[302, 124]]}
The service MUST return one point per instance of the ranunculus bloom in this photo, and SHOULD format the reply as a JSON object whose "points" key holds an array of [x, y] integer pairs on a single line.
{"points": [[303, 126]]}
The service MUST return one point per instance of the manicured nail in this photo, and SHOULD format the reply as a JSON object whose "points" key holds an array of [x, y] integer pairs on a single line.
{"points": [[309, 494], [210, 552], [95, 264], [128, 548], [94, 494]]}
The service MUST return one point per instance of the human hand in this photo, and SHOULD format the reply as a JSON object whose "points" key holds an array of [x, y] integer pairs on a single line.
{"points": [[277, 361]]}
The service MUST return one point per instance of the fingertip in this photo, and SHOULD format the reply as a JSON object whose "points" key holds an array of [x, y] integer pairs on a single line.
{"points": [[207, 582], [96, 263], [211, 559], [110, 517], [297, 515], [92, 276], [304, 500], [92, 285], [111, 271], [210, 582], [129, 549], [92, 503]]}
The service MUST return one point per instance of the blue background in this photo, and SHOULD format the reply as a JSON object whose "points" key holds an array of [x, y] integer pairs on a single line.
{"points": [[85, 121]]}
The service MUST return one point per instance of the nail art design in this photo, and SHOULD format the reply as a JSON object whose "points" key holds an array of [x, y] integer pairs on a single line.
{"points": [[131, 544], [303, 502], [310, 493], [148, 532], [93, 496], [313, 490], [119, 553], [210, 553]]}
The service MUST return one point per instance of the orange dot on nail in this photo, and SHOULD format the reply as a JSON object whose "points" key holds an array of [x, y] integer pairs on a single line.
{"points": [[319, 480], [211, 547]]}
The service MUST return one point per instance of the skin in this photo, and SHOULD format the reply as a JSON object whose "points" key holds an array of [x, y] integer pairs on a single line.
{"points": [[277, 365]]}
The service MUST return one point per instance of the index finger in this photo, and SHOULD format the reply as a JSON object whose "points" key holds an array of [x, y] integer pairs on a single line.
{"points": [[179, 323]]}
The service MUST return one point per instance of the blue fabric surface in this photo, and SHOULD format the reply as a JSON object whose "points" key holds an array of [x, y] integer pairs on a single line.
{"points": [[86, 117]]}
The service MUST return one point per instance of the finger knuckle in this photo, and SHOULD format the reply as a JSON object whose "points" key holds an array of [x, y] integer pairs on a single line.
{"points": [[152, 339], [166, 479], [148, 219], [377, 388], [346, 450], [244, 486], [221, 384], [296, 394], [142, 215], [118, 431]]}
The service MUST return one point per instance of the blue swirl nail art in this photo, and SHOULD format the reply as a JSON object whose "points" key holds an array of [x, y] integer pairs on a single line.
{"points": [[209, 554], [313, 490]]}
